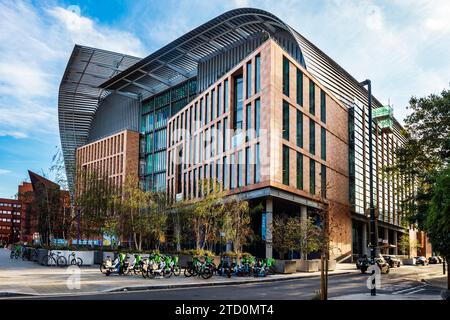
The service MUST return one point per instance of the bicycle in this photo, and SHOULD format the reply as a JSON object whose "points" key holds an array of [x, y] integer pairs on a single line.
{"points": [[50, 259], [74, 260], [198, 268]]}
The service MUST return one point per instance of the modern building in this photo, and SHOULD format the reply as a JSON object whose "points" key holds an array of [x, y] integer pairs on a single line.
{"points": [[246, 99], [10, 220]]}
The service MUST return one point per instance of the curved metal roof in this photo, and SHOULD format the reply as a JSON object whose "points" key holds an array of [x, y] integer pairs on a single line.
{"points": [[79, 95], [178, 60]]}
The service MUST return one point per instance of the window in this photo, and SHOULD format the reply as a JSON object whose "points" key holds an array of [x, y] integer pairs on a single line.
{"points": [[312, 100], [232, 170], [299, 129], [257, 73], [249, 80], [323, 180], [225, 95], [323, 143], [238, 109], [257, 116], [226, 135], [285, 165], [285, 120], [312, 176], [248, 122], [207, 113], [225, 174], [202, 112], [213, 104], [323, 107], [219, 100], [257, 165], [299, 87], [312, 137], [299, 171], [240, 169], [248, 173], [285, 76]]}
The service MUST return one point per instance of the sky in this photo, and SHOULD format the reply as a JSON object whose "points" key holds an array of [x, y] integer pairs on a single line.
{"points": [[402, 46]]}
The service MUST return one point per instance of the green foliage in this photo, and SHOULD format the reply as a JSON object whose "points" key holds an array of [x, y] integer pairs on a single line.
{"points": [[437, 222], [236, 222]]}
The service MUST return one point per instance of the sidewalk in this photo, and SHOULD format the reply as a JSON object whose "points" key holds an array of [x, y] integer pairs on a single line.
{"points": [[19, 277], [368, 297]]}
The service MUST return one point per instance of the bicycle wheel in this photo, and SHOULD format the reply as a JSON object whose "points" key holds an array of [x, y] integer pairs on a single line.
{"points": [[150, 273], [187, 272], [176, 270], [167, 273], [77, 261], [61, 262], [206, 273]]}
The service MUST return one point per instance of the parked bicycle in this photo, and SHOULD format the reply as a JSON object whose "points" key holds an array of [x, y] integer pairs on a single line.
{"points": [[54, 259], [199, 268]]}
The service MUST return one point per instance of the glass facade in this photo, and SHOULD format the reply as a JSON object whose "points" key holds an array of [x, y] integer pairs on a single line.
{"points": [[323, 107], [257, 165], [155, 113], [285, 76], [249, 80], [312, 176], [323, 143], [299, 129], [299, 87], [285, 120], [299, 171], [285, 165], [312, 136], [323, 181], [312, 97], [257, 73], [238, 109], [257, 116]]}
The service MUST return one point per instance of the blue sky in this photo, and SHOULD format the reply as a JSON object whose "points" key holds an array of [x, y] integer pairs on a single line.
{"points": [[403, 47]]}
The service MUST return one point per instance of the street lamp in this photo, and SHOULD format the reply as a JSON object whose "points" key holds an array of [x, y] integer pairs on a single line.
{"points": [[373, 224]]}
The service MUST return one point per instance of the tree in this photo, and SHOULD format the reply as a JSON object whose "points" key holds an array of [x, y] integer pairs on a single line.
{"points": [[236, 222], [403, 244], [95, 201], [308, 237], [283, 238], [207, 213], [437, 222]]}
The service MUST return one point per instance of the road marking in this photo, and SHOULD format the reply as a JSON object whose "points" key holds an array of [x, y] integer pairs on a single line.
{"points": [[415, 291], [409, 289]]}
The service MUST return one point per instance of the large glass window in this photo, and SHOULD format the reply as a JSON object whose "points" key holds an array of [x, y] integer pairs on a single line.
{"points": [[285, 120], [299, 171], [207, 112], [219, 100], [248, 122], [299, 129], [257, 165], [225, 95], [299, 87], [257, 73], [238, 109], [225, 177], [249, 80], [226, 135], [285, 76], [248, 166], [323, 107], [312, 176], [232, 171], [323, 143], [323, 180], [312, 136], [240, 169], [257, 116], [213, 104], [202, 112], [312, 99], [285, 165]]}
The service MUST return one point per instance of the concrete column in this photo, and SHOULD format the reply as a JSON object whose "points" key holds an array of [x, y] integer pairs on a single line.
{"points": [[386, 237], [364, 239], [394, 242], [269, 218]]}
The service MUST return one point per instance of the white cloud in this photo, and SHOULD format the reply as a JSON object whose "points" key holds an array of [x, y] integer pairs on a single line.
{"points": [[35, 44], [4, 171]]}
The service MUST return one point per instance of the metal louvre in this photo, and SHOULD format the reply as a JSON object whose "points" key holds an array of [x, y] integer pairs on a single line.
{"points": [[179, 60], [79, 95]]}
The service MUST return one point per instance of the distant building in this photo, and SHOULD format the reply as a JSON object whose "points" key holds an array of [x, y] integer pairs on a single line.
{"points": [[10, 220]]}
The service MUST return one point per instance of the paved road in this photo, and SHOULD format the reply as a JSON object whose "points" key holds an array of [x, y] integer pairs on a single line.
{"points": [[400, 282]]}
